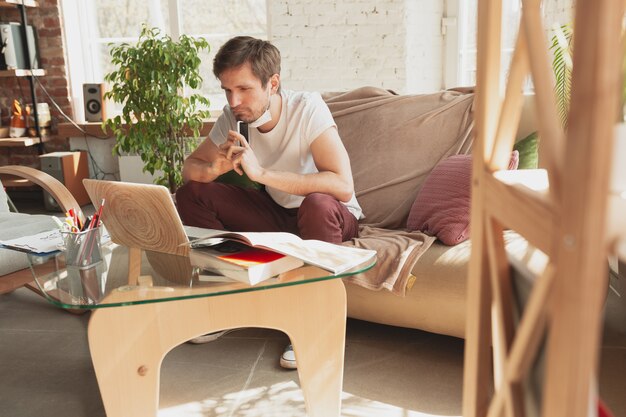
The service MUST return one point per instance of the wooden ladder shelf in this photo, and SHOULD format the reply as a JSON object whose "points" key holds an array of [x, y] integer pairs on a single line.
{"points": [[566, 220]]}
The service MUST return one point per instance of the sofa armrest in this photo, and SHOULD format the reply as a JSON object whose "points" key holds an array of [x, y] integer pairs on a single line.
{"points": [[53, 186]]}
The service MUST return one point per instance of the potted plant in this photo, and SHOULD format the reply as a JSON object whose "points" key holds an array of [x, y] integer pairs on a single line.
{"points": [[157, 120]]}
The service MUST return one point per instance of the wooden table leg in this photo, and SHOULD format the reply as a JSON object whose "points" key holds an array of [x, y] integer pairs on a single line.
{"points": [[128, 343]]}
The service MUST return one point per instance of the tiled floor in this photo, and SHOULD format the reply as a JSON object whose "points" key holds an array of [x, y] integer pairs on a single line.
{"points": [[45, 369]]}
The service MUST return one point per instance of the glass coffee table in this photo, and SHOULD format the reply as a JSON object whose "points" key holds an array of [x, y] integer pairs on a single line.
{"points": [[141, 312]]}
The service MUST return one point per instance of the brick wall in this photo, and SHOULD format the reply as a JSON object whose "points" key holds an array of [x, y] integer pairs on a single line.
{"points": [[330, 45], [395, 44], [47, 21]]}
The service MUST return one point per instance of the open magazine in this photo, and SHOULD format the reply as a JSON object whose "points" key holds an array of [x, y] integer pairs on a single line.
{"points": [[328, 256]]}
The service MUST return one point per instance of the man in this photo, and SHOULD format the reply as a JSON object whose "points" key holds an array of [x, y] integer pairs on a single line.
{"points": [[293, 150]]}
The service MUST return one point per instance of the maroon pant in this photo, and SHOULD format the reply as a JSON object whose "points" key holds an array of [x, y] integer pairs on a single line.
{"points": [[228, 207]]}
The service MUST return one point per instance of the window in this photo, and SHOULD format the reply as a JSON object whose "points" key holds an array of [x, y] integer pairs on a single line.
{"points": [[465, 43], [101, 23], [511, 12]]}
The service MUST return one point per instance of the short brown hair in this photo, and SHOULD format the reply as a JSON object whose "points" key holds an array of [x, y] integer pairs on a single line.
{"points": [[264, 58]]}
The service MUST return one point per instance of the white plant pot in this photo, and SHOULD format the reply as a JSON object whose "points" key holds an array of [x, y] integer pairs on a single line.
{"points": [[131, 170], [102, 153]]}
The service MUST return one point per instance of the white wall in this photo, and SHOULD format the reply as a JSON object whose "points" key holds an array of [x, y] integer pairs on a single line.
{"points": [[558, 12], [339, 45], [425, 46], [335, 45]]}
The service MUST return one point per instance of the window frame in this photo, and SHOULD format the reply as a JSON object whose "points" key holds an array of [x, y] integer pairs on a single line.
{"points": [[456, 52], [83, 47]]}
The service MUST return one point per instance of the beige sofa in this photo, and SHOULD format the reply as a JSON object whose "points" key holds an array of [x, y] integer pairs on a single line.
{"points": [[436, 300]]}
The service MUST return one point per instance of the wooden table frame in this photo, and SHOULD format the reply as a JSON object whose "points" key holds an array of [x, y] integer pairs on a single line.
{"points": [[128, 343]]}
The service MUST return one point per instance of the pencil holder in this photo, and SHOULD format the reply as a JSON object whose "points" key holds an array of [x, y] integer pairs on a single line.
{"points": [[82, 249]]}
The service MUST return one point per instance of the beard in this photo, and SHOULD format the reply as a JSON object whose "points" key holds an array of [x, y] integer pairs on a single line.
{"points": [[247, 115], [246, 118]]}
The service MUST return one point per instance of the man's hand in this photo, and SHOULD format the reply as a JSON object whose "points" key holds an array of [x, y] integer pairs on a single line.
{"points": [[241, 156], [334, 176], [207, 162], [221, 164]]}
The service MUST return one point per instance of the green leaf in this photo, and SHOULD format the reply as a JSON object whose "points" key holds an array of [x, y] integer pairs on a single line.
{"points": [[562, 50], [148, 79]]}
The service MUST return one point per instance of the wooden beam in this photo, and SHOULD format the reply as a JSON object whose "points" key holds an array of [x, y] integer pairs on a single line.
{"points": [[503, 325], [550, 129], [533, 215], [512, 105], [529, 334], [477, 368], [581, 276]]}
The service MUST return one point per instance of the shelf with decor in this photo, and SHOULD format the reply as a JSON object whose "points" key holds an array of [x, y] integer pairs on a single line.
{"points": [[22, 67], [23, 142], [22, 73]]}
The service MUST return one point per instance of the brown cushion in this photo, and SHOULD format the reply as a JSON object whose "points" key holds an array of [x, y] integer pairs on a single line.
{"points": [[442, 206], [395, 141]]}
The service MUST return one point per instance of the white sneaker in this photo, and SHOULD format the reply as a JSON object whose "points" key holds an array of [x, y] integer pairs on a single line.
{"points": [[209, 337], [288, 358]]}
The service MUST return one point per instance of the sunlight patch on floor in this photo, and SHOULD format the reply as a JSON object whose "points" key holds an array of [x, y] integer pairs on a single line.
{"points": [[281, 400]]}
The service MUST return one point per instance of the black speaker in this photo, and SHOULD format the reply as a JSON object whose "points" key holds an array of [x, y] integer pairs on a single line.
{"points": [[93, 94]]}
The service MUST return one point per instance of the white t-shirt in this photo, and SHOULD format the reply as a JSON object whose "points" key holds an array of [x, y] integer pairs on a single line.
{"points": [[287, 147]]}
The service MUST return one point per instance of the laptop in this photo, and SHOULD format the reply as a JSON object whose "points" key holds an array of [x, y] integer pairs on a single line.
{"points": [[140, 215]]}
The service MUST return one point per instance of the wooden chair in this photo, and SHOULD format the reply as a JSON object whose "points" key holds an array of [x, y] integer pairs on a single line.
{"points": [[57, 190], [567, 222]]}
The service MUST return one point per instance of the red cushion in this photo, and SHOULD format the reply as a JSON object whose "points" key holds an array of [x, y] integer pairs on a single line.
{"points": [[442, 206]]}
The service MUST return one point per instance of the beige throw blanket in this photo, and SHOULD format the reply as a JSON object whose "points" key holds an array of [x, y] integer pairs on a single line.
{"points": [[397, 252], [394, 141]]}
